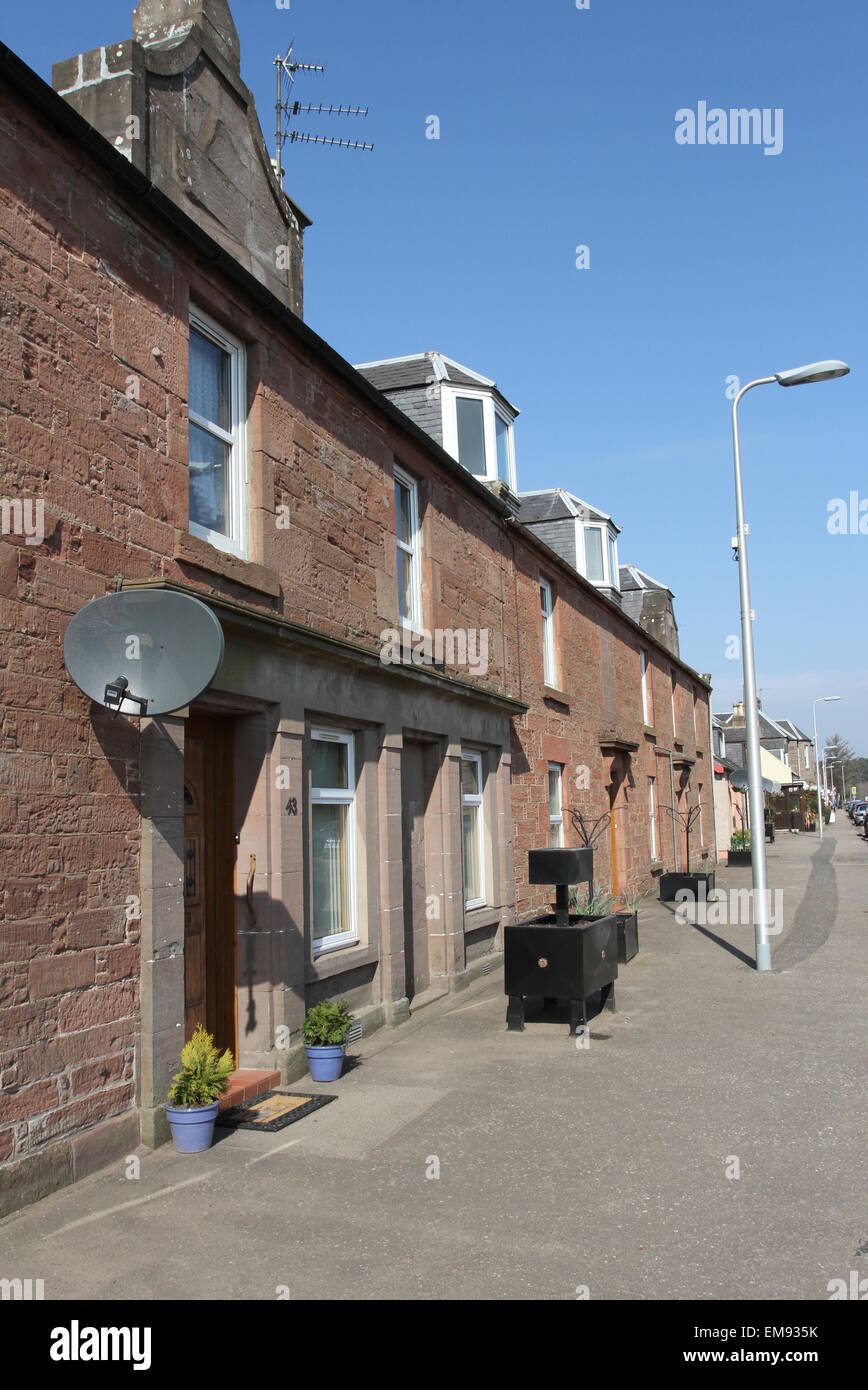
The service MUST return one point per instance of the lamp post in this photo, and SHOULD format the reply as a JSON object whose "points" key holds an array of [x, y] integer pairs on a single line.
{"points": [[820, 700], [798, 376], [837, 761]]}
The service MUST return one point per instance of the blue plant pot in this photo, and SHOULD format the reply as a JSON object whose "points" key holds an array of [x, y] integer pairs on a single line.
{"points": [[325, 1063], [192, 1130]]}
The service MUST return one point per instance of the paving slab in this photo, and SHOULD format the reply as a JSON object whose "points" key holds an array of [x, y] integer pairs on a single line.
{"points": [[464, 1162]]}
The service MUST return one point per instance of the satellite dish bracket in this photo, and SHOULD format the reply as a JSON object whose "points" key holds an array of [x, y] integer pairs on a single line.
{"points": [[117, 691]]}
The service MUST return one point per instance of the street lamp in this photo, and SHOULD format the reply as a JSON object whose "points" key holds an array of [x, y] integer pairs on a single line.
{"points": [[797, 376], [820, 700], [838, 760]]}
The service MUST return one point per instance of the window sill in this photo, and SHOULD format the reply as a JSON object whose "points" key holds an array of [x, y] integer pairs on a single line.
{"points": [[551, 692], [649, 731], [336, 960], [483, 916], [192, 550]]}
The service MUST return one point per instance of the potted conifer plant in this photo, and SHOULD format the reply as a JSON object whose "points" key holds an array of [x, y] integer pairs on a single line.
{"points": [[194, 1095], [325, 1031]]}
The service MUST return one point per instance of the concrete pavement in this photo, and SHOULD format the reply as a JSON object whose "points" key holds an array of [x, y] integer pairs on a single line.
{"points": [[610, 1168]]}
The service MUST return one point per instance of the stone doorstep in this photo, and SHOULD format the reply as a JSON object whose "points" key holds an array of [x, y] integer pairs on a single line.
{"points": [[248, 1085]]}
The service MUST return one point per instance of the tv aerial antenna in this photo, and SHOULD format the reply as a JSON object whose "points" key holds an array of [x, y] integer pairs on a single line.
{"points": [[287, 108]]}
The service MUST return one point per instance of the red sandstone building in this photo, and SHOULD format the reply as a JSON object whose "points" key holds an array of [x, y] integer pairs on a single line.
{"points": [[335, 816]]}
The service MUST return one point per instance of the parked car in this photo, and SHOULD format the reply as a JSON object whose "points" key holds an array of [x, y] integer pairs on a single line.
{"points": [[860, 812]]}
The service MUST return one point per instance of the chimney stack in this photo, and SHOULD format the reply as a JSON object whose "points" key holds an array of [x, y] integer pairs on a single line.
{"points": [[172, 100]]}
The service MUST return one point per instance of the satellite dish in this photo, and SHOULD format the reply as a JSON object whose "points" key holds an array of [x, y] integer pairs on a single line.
{"points": [[147, 651], [740, 783]]}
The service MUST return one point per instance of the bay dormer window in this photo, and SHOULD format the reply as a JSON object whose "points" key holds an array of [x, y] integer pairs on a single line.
{"points": [[601, 555], [479, 432]]}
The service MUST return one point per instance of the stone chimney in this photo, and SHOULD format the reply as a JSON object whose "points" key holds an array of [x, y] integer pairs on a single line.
{"points": [[738, 712], [172, 100]]}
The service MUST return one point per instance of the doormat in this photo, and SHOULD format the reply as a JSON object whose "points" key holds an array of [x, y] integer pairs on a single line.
{"points": [[271, 1112]]}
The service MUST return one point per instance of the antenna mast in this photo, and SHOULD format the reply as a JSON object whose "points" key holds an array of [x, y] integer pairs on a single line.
{"points": [[286, 109]]}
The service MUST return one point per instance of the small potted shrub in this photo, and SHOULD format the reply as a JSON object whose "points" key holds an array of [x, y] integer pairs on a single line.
{"points": [[194, 1095], [325, 1031], [591, 906]]}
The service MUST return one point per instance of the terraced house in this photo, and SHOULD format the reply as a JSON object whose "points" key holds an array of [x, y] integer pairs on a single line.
{"points": [[420, 682]]}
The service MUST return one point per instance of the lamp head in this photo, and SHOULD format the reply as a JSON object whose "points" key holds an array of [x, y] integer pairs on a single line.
{"points": [[815, 371]]}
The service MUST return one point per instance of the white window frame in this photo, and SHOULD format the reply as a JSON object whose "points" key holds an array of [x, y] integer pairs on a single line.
{"points": [[673, 688], [413, 549], [695, 698], [612, 561], [646, 707], [472, 799], [339, 796], [490, 408], [550, 662], [556, 819], [807, 757], [235, 543], [611, 577], [652, 819], [699, 804]]}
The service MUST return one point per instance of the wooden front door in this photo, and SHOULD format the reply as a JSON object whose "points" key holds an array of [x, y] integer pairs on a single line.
{"points": [[209, 880]]}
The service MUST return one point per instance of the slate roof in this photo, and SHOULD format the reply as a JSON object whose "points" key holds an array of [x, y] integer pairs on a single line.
{"points": [[393, 374], [794, 730], [557, 504], [632, 578], [768, 728]]}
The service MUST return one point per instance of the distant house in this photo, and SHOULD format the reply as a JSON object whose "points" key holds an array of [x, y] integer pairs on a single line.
{"points": [[728, 810], [800, 752], [780, 737]]}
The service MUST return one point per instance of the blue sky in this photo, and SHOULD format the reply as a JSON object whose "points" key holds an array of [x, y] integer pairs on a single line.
{"points": [[557, 129]]}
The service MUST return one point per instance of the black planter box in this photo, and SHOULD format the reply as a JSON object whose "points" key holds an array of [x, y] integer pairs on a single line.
{"points": [[628, 936], [628, 933], [670, 884], [547, 960], [739, 857]]}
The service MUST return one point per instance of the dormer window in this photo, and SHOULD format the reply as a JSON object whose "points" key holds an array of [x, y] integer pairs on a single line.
{"points": [[601, 555], [479, 432]]}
